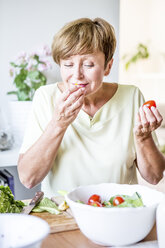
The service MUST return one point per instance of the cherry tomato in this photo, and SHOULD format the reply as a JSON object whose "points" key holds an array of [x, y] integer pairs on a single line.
{"points": [[94, 198], [150, 103], [117, 200], [95, 204]]}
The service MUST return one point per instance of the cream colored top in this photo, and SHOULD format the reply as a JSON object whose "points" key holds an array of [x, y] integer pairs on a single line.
{"points": [[94, 150]]}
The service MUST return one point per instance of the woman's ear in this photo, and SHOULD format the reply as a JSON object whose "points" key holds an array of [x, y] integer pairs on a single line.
{"points": [[108, 67]]}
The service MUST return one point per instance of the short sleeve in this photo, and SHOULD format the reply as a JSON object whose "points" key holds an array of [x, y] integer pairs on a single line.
{"points": [[35, 126]]}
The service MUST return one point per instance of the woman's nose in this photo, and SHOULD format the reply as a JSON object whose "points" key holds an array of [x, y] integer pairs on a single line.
{"points": [[78, 72]]}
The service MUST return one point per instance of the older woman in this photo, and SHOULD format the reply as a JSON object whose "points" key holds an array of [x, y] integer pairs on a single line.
{"points": [[82, 130]]}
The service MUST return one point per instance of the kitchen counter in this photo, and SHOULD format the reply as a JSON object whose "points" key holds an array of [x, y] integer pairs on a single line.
{"points": [[75, 239], [64, 232]]}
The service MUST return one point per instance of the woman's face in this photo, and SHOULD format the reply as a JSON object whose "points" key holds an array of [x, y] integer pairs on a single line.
{"points": [[84, 71]]}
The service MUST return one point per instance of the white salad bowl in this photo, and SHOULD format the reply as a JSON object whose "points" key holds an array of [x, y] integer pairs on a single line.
{"points": [[114, 226], [21, 230]]}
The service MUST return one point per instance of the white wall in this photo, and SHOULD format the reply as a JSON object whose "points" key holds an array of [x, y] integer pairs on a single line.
{"points": [[27, 24], [143, 22]]}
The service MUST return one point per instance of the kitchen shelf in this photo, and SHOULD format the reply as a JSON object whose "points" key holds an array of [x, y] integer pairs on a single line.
{"points": [[9, 157]]}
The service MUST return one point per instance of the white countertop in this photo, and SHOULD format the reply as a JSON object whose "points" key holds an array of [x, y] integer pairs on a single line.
{"points": [[9, 157]]}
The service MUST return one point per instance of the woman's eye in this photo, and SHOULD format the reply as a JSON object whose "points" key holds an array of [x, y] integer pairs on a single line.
{"points": [[68, 65], [88, 65]]}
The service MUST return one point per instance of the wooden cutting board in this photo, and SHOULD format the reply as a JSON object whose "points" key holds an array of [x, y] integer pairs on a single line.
{"points": [[61, 222]]}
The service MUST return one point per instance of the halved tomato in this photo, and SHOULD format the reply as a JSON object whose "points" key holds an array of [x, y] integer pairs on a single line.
{"points": [[150, 103], [117, 200], [94, 198]]}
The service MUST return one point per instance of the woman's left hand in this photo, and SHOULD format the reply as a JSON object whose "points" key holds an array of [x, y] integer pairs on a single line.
{"points": [[148, 120]]}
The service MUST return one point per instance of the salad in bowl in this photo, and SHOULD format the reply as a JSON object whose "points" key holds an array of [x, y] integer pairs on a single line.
{"points": [[112, 214]]}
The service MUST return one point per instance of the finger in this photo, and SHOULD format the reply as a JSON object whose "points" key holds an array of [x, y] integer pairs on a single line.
{"points": [[144, 120], [65, 95], [74, 96], [74, 114], [151, 118], [67, 92], [157, 115], [138, 120], [76, 105]]}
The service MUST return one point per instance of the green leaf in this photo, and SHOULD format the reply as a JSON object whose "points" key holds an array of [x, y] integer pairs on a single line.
{"points": [[141, 53], [79, 201], [129, 201], [23, 66], [12, 93], [13, 64], [7, 202], [33, 75], [35, 85], [20, 78], [27, 82], [23, 96], [46, 205], [36, 57]]}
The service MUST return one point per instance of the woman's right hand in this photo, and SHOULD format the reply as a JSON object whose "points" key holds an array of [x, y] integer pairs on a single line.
{"points": [[68, 106]]}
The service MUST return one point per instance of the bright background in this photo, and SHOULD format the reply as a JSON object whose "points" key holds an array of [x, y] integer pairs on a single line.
{"points": [[26, 25], [143, 22]]}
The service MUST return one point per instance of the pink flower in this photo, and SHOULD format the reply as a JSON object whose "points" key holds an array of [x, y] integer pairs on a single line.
{"points": [[44, 51], [29, 67], [47, 50], [21, 58], [42, 67], [21, 55], [48, 64], [45, 65]]}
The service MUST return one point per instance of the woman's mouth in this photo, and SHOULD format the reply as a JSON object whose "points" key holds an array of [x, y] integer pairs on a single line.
{"points": [[80, 85]]}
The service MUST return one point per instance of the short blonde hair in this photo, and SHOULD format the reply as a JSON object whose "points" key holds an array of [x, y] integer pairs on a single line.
{"points": [[84, 36]]}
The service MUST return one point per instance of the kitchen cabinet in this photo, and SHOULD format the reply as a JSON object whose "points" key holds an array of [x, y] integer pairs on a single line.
{"points": [[8, 160]]}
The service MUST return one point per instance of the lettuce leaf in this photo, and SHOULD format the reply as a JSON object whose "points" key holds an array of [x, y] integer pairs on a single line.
{"points": [[129, 201], [46, 205], [7, 202]]}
